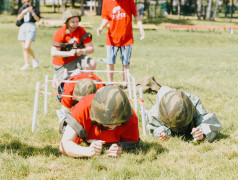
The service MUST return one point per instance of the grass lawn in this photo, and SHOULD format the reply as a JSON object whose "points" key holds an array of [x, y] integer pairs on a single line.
{"points": [[200, 62]]}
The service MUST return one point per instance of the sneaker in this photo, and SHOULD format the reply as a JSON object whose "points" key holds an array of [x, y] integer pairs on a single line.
{"points": [[26, 66], [35, 63]]}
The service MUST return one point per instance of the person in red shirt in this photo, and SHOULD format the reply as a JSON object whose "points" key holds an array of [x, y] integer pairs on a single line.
{"points": [[84, 86], [108, 120], [118, 13], [73, 58]]}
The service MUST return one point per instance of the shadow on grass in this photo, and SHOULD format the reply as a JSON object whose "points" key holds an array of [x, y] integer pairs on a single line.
{"points": [[24, 150], [146, 147], [158, 21], [222, 136], [189, 138]]}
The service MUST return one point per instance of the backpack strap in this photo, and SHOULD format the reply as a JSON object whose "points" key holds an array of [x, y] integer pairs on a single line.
{"points": [[63, 45], [85, 37], [60, 44], [77, 127]]}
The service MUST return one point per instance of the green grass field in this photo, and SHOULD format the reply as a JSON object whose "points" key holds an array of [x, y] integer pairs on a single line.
{"points": [[200, 62]]}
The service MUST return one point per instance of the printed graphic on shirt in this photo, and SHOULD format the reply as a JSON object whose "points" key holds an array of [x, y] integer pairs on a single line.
{"points": [[27, 17], [117, 13], [73, 40]]}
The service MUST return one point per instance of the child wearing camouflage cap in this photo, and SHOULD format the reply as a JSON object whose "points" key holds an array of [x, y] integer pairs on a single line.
{"points": [[83, 87], [71, 44], [181, 113], [107, 119]]}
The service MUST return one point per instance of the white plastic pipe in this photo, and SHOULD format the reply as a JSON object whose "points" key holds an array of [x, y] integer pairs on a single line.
{"points": [[129, 82], [134, 93], [65, 73], [35, 106], [99, 71], [45, 94], [142, 111]]}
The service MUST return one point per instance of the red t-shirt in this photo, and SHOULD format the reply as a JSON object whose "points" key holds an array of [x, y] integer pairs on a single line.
{"points": [[69, 87], [73, 37], [119, 13], [127, 132]]}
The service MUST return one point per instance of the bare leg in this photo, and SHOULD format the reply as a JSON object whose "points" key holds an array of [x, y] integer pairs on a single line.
{"points": [[25, 53], [28, 49], [110, 67]]}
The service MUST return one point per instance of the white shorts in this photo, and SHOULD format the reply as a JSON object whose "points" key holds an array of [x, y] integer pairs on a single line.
{"points": [[27, 32]]}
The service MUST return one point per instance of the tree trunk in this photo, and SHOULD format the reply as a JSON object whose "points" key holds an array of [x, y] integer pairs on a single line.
{"points": [[149, 9], [94, 7], [215, 10], [156, 6], [91, 6], [53, 6], [63, 6], [171, 7], [178, 3], [209, 8], [226, 8], [199, 8], [231, 9], [12, 5], [99, 7], [82, 7], [73, 3], [204, 8]]}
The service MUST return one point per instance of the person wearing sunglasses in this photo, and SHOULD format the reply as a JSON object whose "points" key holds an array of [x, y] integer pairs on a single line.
{"points": [[107, 120], [27, 16]]}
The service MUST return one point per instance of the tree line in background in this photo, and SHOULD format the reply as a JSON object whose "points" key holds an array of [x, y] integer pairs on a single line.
{"points": [[203, 9]]}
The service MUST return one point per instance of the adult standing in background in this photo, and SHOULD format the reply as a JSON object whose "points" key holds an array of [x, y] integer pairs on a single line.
{"points": [[118, 13], [27, 16]]}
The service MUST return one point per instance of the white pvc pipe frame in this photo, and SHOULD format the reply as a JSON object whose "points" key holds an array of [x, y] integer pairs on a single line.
{"points": [[46, 93]]}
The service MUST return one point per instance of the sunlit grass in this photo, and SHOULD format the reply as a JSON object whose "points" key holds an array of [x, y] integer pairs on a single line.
{"points": [[202, 63]]}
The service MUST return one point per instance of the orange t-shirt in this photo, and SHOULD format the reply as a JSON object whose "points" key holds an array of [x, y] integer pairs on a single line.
{"points": [[119, 13], [73, 37], [69, 87], [127, 132]]}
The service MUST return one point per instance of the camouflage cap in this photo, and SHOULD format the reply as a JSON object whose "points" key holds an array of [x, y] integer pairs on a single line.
{"points": [[84, 87], [176, 110], [71, 13], [110, 106]]}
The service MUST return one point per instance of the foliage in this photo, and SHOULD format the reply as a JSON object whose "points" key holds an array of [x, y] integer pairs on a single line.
{"points": [[200, 62]]}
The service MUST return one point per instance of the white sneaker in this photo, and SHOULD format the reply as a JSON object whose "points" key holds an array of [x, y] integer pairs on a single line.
{"points": [[26, 66], [35, 63]]}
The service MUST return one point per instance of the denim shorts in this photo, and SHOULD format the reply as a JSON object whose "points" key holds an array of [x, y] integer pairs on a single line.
{"points": [[125, 52], [27, 32]]}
